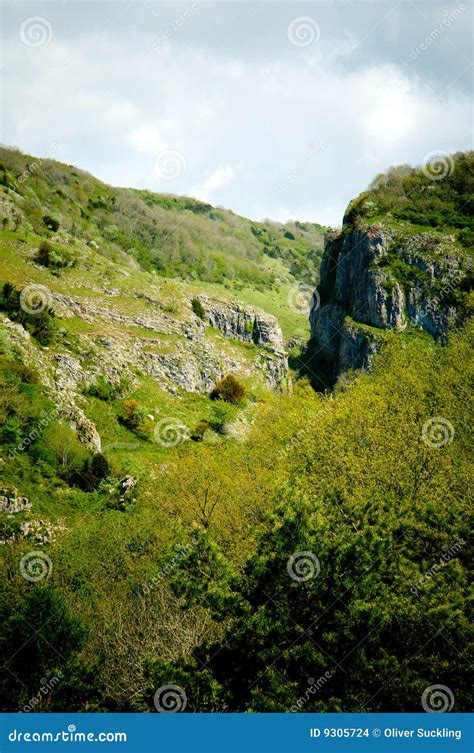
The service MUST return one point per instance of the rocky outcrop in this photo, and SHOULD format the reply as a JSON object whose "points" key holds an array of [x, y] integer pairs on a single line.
{"points": [[374, 277], [11, 502], [243, 323]]}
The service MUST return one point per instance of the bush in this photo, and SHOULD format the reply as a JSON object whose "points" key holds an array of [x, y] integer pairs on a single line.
{"points": [[134, 418], [222, 415], [198, 308], [48, 256], [95, 469], [200, 430], [229, 389], [50, 223], [105, 390], [41, 325]]}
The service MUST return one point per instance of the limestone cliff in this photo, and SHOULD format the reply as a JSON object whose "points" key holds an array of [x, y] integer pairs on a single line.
{"points": [[376, 278]]}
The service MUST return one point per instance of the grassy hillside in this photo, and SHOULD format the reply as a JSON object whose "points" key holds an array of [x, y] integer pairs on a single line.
{"points": [[173, 236]]}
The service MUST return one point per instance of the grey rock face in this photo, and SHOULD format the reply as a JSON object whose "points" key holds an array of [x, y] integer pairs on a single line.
{"points": [[243, 323], [375, 278], [11, 502]]}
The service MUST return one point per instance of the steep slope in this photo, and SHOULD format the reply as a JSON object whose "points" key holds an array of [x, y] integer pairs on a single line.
{"points": [[385, 273]]}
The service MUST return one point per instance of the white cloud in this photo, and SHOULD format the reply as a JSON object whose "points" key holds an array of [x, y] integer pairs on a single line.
{"points": [[215, 180], [242, 123]]}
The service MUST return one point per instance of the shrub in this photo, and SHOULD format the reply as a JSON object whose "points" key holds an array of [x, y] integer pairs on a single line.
{"points": [[222, 415], [41, 325], [198, 308], [95, 469], [229, 389], [134, 418], [50, 223], [248, 326], [48, 256], [103, 390], [200, 430]]}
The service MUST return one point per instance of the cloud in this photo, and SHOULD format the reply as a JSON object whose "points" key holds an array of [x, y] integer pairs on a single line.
{"points": [[245, 112], [215, 180]]}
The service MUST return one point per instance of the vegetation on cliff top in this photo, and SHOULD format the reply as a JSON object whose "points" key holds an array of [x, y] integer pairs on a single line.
{"points": [[437, 197]]}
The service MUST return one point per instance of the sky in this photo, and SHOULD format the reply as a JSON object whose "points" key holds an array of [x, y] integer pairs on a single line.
{"points": [[281, 110]]}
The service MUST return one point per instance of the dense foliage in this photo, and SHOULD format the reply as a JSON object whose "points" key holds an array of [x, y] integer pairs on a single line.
{"points": [[436, 196], [171, 235], [209, 602]]}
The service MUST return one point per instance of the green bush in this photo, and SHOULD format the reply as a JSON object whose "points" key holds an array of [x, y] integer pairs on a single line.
{"points": [[200, 430], [104, 390], [198, 308], [41, 325], [222, 415], [48, 256]]}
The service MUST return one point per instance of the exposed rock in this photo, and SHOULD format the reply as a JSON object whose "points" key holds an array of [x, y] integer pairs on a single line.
{"points": [[127, 483], [10, 501], [243, 323], [375, 278], [85, 429]]}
